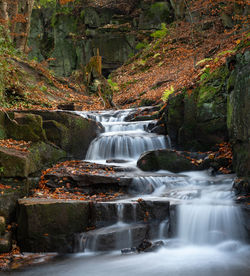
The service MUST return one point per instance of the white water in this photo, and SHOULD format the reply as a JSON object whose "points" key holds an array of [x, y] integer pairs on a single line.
{"points": [[121, 139], [210, 236]]}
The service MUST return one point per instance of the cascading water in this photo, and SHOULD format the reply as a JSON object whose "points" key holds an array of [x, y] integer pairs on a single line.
{"points": [[209, 238], [123, 140]]}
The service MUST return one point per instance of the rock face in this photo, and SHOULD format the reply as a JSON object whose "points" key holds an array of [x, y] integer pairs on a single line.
{"points": [[51, 225], [71, 37], [197, 121], [70, 132], [215, 111], [238, 115]]}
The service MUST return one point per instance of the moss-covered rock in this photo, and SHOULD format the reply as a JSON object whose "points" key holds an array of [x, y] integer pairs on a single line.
{"points": [[41, 155], [15, 163], [198, 120], [24, 126], [164, 160], [68, 131], [50, 225], [154, 14], [73, 133]]}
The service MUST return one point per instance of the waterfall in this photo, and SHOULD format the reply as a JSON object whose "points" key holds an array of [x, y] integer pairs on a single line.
{"points": [[210, 219], [123, 140]]}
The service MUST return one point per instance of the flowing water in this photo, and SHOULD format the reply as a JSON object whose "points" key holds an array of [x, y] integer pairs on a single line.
{"points": [[209, 234]]}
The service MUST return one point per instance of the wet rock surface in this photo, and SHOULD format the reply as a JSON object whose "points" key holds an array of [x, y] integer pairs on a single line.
{"points": [[50, 225], [88, 176]]}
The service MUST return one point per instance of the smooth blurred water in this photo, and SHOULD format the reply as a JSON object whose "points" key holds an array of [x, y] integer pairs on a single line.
{"points": [[210, 238]]}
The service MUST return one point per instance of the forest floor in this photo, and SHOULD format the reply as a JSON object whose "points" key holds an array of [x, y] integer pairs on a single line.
{"points": [[173, 60]]}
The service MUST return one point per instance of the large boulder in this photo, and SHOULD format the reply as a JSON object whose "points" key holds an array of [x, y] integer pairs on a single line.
{"points": [[24, 126], [169, 160], [16, 163], [49, 225], [68, 131]]}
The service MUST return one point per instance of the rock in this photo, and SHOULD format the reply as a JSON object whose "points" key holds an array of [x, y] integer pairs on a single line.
{"points": [[14, 163], [69, 106], [24, 126], [246, 220], [3, 134], [5, 243], [89, 176], [116, 161], [144, 245], [2, 225], [152, 16], [197, 121], [73, 133], [8, 200], [165, 160], [238, 117], [148, 246], [107, 213], [17, 163], [115, 237], [241, 186], [49, 225]]}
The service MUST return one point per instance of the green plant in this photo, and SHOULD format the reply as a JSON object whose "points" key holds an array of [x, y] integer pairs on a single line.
{"points": [[113, 85], [206, 73], [141, 45], [44, 88], [203, 61], [1, 169], [226, 52], [167, 93], [160, 33]]}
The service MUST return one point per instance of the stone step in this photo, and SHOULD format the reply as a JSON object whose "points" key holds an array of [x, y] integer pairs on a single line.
{"points": [[50, 225], [113, 237]]}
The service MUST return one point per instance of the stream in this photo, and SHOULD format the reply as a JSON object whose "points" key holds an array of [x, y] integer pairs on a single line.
{"points": [[208, 237]]}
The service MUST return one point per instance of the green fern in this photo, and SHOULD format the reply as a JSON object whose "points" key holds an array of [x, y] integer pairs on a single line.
{"points": [[160, 33], [167, 93]]}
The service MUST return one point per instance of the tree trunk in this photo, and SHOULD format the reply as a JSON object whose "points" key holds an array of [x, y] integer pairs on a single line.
{"points": [[22, 28], [179, 8], [15, 15]]}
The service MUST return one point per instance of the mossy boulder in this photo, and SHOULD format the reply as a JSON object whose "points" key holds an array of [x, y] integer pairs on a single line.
{"points": [[50, 225], [153, 15], [15, 163], [24, 126], [69, 131], [169, 160]]}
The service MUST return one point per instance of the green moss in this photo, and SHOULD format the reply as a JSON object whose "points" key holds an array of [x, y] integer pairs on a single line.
{"points": [[229, 113], [28, 128]]}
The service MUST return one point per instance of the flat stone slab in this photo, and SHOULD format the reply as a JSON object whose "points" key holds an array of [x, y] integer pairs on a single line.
{"points": [[50, 225]]}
